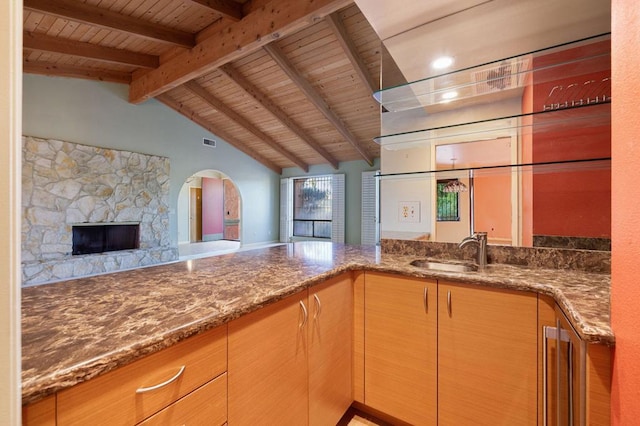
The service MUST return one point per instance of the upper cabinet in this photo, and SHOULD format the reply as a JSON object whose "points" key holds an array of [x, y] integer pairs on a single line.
{"points": [[517, 123]]}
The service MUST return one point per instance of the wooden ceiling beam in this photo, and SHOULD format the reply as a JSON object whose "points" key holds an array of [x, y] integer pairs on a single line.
{"points": [[276, 19], [45, 43], [220, 106], [313, 96], [45, 68], [193, 116], [336, 25], [228, 9], [103, 18], [277, 112]]}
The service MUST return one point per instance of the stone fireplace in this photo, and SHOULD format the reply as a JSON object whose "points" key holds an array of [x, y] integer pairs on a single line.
{"points": [[67, 186]]}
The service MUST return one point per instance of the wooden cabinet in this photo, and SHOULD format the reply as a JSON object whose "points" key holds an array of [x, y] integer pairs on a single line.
{"points": [[449, 354], [487, 356], [414, 351], [330, 350], [132, 393], [575, 375], [400, 331], [290, 362], [268, 365], [41, 413]]}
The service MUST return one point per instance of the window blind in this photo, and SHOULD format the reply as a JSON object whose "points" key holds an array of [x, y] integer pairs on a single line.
{"points": [[369, 218]]}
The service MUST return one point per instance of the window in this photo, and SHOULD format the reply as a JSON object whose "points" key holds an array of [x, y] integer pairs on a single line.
{"points": [[312, 207], [447, 203]]}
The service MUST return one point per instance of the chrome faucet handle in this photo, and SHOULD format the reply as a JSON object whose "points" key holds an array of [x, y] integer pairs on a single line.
{"points": [[480, 239]]}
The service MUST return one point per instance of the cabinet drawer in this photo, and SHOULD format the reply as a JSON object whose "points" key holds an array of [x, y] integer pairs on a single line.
{"points": [[206, 406], [112, 398]]}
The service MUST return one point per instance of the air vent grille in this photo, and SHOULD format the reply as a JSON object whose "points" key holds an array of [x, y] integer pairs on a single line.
{"points": [[209, 142], [508, 75]]}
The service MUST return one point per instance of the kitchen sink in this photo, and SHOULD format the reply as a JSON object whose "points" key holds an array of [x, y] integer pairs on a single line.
{"points": [[447, 266]]}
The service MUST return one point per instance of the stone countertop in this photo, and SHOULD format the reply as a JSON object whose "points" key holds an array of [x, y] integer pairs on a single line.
{"points": [[75, 330]]}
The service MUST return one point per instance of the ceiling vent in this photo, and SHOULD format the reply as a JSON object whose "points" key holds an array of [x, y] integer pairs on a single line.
{"points": [[508, 75], [209, 142]]}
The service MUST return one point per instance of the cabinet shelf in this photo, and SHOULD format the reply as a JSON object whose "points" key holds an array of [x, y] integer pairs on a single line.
{"points": [[508, 77], [583, 117]]}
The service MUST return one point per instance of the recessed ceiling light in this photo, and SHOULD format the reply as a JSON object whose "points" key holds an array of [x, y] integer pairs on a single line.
{"points": [[442, 62], [449, 95]]}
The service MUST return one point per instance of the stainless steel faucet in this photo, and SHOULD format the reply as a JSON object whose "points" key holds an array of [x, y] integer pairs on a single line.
{"points": [[479, 238]]}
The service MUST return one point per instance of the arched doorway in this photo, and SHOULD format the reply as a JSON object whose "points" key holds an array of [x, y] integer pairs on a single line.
{"points": [[209, 215]]}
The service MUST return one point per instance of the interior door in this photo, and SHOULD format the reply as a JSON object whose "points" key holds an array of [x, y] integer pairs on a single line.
{"points": [[195, 215]]}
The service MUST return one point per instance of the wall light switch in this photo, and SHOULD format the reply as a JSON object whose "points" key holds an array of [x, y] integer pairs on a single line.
{"points": [[409, 211]]}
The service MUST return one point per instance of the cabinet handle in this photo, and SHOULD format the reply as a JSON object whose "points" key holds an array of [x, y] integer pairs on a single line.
{"points": [[159, 385], [305, 314], [570, 379], [318, 307], [545, 367], [426, 299], [449, 302], [558, 370]]}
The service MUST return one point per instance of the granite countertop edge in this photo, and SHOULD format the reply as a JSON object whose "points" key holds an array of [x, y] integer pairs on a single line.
{"points": [[39, 386]]}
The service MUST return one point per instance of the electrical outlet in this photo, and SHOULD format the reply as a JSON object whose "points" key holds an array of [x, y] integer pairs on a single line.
{"points": [[409, 211]]}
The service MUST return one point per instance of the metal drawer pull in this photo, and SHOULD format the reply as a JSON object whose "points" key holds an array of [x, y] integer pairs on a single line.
{"points": [[545, 368], [318, 307], [426, 299], [159, 385], [305, 314], [449, 302], [570, 380]]}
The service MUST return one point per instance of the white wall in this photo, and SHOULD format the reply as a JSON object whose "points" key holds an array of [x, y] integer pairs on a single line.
{"points": [[99, 114], [353, 191], [410, 154], [10, 153]]}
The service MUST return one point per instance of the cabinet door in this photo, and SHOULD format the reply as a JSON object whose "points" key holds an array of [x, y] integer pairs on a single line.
{"points": [[41, 413], [330, 343], [267, 366], [578, 385], [487, 359], [400, 347]]}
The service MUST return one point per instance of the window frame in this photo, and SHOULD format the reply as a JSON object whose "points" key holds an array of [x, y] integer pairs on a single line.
{"points": [[441, 195]]}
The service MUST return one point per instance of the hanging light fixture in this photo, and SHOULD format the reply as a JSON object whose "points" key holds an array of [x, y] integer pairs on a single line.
{"points": [[454, 185]]}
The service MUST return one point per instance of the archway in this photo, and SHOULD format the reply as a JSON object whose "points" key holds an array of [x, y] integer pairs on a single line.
{"points": [[209, 215]]}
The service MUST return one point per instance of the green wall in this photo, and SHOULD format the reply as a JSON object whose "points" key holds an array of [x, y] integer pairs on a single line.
{"points": [[99, 114]]}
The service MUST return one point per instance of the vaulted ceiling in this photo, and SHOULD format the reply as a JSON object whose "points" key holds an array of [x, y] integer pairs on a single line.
{"points": [[289, 83]]}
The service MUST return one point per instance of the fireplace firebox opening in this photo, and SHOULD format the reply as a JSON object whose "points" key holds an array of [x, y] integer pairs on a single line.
{"points": [[104, 237]]}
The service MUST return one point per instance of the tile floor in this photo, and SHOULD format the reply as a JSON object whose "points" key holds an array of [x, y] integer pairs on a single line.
{"points": [[355, 417], [213, 248]]}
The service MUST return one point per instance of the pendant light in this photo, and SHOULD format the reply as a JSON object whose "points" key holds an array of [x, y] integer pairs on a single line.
{"points": [[454, 185]]}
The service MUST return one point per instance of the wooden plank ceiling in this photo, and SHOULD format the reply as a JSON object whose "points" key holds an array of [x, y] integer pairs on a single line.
{"points": [[287, 82]]}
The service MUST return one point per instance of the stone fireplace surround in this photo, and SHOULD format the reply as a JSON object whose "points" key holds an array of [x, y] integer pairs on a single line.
{"points": [[65, 183]]}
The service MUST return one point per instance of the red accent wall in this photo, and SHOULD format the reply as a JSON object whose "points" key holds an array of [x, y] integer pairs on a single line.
{"points": [[625, 288], [583, 196], [212, 207], [492, 206], [526, 212]]}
